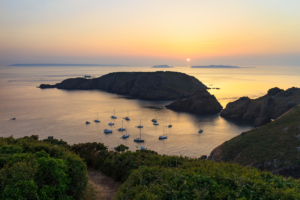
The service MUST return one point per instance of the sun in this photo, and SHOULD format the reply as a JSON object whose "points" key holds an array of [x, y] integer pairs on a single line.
{"points": [[188, 60]]}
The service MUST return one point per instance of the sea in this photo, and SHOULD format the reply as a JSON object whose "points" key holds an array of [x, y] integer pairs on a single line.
{"points": [[63, 114]]}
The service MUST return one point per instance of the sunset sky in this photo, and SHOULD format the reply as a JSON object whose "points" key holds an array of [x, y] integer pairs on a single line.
{"points": [[237, 32]]}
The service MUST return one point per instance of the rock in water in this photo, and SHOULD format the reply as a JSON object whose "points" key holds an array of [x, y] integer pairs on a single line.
{"points": [[262, 110], [143, 85], [201, 102]]}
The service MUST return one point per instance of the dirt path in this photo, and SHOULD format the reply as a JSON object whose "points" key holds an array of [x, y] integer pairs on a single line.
{"points": [[103, 187]]}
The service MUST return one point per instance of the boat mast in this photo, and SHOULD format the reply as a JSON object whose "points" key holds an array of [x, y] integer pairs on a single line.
{"points": [[140, 134]]}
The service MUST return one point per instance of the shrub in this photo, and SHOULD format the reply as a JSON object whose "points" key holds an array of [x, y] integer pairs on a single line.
{"points": [[32, 169], [147, 175]]}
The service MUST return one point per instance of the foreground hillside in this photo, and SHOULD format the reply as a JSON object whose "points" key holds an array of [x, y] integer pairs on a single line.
{"points": [[32, 169], [147, 175], [274, 146], [143, 85]]}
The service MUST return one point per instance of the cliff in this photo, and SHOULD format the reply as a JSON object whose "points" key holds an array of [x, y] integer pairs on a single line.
{"points": [[143, 85], [274, 146], [201, 102], [262, 110]]}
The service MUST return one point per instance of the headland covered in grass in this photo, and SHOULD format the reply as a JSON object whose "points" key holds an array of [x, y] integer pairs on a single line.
{"points": [[274, 146], [51, 168]]}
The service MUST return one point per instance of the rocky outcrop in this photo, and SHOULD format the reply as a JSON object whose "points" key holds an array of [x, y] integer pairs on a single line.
{"points": [[201, 102], [143, 85], [264, 109]]}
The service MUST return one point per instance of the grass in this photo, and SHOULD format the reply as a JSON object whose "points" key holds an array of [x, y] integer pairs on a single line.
{"points": [[90, 193], [275, 140]]}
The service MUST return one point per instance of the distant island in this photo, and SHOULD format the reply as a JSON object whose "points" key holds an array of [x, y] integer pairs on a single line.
{"points": [[63, 65], [216, 66], [162, 66]]}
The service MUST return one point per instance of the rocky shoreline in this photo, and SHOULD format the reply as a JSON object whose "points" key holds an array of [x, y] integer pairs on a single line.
{"points": [[200, 102], [264, 109]]}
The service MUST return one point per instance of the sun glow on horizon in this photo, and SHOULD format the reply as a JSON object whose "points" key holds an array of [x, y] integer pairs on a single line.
{"points": [[103, 31]]}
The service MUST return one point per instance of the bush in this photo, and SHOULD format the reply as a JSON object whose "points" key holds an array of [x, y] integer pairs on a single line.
{"points": [[147, 175], [32, 169], [174, 183]]}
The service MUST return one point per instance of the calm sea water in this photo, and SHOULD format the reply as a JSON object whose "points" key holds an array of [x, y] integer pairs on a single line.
{"points": [[62, 114]]}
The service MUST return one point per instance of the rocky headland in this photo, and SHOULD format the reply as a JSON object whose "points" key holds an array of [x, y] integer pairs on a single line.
{"points": [[274, 147], [264, 109], [143, 85], [200, 102]]}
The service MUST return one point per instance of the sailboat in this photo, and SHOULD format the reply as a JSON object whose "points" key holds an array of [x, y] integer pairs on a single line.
{"points": [[107, 131], [114, 116], [140, 126], [170, 125], [96, 120], [127, 118], [111, 123], [154, 120], [156, 123], [139, 139], [125, 136], [163, 136], [122, 129]]}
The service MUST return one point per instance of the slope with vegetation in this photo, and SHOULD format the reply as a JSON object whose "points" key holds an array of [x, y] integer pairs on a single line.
{"points": [[147, 175], [274, 146], [32, 169]]}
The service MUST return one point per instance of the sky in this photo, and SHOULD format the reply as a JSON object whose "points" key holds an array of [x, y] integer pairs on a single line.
{"points": [[140, 32]]}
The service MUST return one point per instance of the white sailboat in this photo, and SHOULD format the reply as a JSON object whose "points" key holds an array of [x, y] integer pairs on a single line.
{"points": [[140, 126], [139, 139], [111, 123], [114, 116], [163, 136], [96, 120], [154, 120], [127, 118], [156, 123], [107, 131], [125, 136], [122, 129], [170, 125]]}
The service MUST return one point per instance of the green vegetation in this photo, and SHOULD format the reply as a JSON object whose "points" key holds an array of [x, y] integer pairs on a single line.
{"points": [[147, 175], [32, 169], [276, 140], [121, 148]]}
